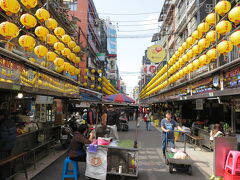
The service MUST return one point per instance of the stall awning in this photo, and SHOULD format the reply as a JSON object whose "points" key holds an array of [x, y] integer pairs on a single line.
{"points": [[89, 95]]}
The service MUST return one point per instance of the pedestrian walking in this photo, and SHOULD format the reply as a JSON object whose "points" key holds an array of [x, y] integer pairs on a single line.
{"points": [[92, 114], [147, 119], [167, 127], [112, 120]]}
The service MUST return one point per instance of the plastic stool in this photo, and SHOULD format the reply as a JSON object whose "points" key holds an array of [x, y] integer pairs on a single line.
{"points": [[233, 163], [228, 176], [66, 170]]}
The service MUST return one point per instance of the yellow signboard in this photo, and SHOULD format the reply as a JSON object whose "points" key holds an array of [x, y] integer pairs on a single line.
{"points": [[156, 53]]}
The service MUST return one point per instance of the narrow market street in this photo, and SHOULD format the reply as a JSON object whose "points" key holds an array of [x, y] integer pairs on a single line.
{"points": [[151, 163]]}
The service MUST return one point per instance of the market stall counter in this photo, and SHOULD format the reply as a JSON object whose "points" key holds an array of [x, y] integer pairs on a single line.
{"points": [[121, 159]]}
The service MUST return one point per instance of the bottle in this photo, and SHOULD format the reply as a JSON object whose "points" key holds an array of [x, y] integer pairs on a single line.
{"points": [[120, 169]]}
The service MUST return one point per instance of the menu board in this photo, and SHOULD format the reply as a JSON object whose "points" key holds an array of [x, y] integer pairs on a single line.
{"points": [[232, 78]]}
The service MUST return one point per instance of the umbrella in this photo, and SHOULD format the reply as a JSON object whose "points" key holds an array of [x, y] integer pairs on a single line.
{"points": [[118, 98]]}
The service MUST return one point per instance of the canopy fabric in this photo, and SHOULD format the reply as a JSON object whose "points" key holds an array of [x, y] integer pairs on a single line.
{"points": [[118, 98]]}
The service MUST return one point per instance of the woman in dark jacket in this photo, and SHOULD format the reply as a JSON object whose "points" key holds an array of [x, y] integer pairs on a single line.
{"points": [[77, 147]]}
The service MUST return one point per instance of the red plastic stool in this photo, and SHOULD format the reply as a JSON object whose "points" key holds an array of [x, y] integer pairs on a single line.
{"points": [[229, 176], [233, 163]]}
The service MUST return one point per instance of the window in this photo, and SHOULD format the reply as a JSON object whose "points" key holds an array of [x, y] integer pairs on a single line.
{"points": [[71, 4]]}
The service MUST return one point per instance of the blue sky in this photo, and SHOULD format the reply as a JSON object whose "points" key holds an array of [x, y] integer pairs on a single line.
{"points": [[131, 50]]}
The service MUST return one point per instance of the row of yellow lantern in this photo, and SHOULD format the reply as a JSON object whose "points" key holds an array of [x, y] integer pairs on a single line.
{"points": [[109, 86], [222, 28]]}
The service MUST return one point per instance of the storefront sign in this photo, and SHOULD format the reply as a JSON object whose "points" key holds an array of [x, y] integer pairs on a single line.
{"points": [[149, 69], [206, 86], [100, 56], [232, 78], [156, 53], [44, 100]]}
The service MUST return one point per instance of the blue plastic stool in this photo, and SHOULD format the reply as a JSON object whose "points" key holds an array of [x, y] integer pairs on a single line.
{"points": [[66, 171]]}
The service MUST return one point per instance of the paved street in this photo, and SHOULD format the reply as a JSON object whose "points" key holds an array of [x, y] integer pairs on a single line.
{"points": [[151, 164]]}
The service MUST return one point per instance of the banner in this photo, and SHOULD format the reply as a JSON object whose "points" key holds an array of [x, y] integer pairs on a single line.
{"points": [[149, 69]]}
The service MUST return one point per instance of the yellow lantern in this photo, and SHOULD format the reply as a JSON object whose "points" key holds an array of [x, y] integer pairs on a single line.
{"points": [[10, 6], [29, 3], [93, 70], [85, 84], [51, 39], [77, 60], [66, 51], [28, 20], [196, 64], [204, 60], [203, 43], [212, 54], [196, 50], [59, 31], [223, 7], [177, 65], [51, 56], [181, 62], [27, 42], [76, 49], [85, 77], [190, 54], [190, 41], [235, 38], [99, 79], [92, 86], [93, 78], [71, 70], [185, 46], [58, 61], [71, 56], [44, 64], [185, 58], [224, 47], [203, 27], [234, 15], [66, 38], [181, 74], [99, 88], [196, 34], [177, 54], [77, 71], [41, 32], [86, 70], [212, 36], [181, 50], [211, 19], [190, 67], [59, 46], [223, 27], [185, 70], [42, 14], [72, 44], [9, 30], [40, 50], [32, 60], [51, 23], [59, 69], [66, 66]]}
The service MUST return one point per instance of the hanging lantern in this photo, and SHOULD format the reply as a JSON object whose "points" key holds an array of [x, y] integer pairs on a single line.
{"points": [[196, 64], [28, 20], [93, 78], [51, 56], [93, 70], [223, 7], [235, 38], [196, 34], [204, 60], [71, 44], [181, 50], [10, 6], [59, 31], [27, 42], [32, 60], [85, 77], [41, 32], [71, 56], [77, 71], [196, 50], [181, 62], [185, 46], [66, 51], [185, 58], [44, 64], [177, 54], [224, 47], [40, 51], [180, 73], [71, 70], [212, 54], [59, 69], [85, 84], [51, 39], [76, 49], [203, 27], [99, 88], [234, 15], [190, 41], [185, 70], [42, 14], [190, 54], [66, 38], [211, 19], [190, 67], [86, 70], [29, 3], [59, 46], [66, 66], [99, 71], [223, 27], [212, 36], [203, 43], [58, 62], [99, 79], [92, 86], [51, 23], [77, 60], [177, 65], [9, 30]]}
